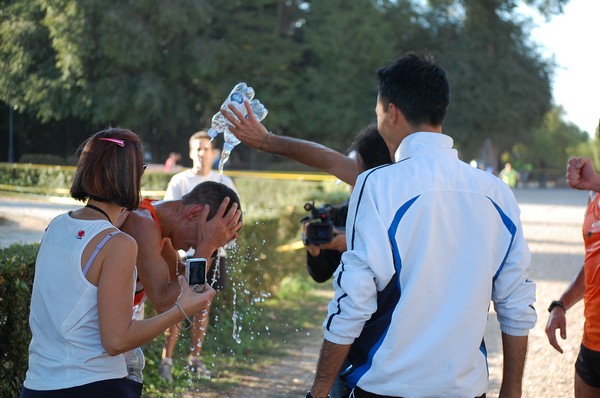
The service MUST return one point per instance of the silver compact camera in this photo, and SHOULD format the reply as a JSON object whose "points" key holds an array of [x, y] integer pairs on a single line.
{"points": [[195, 273]]}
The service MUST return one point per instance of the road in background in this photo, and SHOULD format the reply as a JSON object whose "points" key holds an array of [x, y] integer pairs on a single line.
{"points": [[23, 220]]}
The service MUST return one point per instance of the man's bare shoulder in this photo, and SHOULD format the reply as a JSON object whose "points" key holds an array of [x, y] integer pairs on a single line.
{"points": [[141, 226]]}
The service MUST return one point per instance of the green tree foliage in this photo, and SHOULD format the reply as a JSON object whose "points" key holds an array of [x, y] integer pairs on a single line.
{"points": [[258, 43], [28, 67], [131, 63], [554, 141], [343, 45], [500, 84], [72, 67]]}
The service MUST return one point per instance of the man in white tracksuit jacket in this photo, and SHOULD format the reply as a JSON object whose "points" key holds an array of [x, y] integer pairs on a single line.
{"points": [[431, 241]]}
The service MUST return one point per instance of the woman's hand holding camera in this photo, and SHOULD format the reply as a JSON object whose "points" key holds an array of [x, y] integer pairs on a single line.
{"points": [[192, 302]]}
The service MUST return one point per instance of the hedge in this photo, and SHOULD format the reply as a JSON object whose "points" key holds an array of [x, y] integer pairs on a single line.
{"points": [[53, 180], [16, 279]]}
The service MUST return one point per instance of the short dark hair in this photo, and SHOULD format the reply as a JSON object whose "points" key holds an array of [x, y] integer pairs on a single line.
{"points": [[371, 147], [417, 86], [108, 172], [212, 194]]}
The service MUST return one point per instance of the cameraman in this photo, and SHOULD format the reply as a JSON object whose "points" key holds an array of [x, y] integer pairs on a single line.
{"points": [[322, 259], [369, 151]]}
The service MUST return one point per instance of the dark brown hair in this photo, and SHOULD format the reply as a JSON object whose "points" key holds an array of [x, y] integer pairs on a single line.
{"points": [[212, 194], [108, 172], [371, 148]]}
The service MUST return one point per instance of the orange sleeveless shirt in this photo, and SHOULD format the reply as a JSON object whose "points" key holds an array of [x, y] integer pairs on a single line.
{"points": [[591, 297], [147, 204]]}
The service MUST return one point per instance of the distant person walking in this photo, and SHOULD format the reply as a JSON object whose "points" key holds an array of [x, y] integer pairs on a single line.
{"points": [[171, 162], [509, 175]]}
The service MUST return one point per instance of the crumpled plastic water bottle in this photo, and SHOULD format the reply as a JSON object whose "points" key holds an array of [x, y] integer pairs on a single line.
{"points": [[240, 92], [230, 140], [219, 124], [135, 364]]}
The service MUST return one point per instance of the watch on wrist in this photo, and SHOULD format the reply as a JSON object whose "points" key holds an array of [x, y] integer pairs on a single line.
{"points": [[557, 303], [309, 395]]}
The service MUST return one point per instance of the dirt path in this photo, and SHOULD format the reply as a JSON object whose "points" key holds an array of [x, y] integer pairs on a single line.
{"points": [[552, 224]]}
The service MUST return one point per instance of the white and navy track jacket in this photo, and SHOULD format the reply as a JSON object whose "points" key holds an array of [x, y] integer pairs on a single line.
{"points": [[431, 240]]}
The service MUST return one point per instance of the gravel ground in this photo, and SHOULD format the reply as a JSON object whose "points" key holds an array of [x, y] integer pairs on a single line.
{"points": [[552, 224]]}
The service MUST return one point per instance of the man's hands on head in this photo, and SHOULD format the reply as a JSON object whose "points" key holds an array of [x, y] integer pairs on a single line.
{"points": [[220, 230], [581, 174]]}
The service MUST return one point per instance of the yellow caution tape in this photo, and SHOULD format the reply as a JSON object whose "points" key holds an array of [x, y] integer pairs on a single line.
{"points": [[297, 245]]}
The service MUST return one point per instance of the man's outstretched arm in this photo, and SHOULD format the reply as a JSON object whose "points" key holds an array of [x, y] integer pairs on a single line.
{"points": [[254, 134]]}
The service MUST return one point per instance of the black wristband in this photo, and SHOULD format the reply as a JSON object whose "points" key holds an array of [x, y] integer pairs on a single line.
{"points": [[557, 303]]}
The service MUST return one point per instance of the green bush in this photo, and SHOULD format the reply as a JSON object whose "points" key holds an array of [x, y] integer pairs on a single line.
{"points": [[56, 180], [40, 179], [16, 280], [43, 158], [155, 180]]}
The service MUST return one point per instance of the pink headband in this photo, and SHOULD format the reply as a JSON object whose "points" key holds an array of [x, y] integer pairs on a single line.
{"points": [[117, 141]]}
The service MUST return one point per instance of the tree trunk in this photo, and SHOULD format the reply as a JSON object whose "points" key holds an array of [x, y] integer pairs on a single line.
{"points": [[488, 156]]}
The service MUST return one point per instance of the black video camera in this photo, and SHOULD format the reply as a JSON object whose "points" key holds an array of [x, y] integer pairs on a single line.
{"points": [[320, 222]]}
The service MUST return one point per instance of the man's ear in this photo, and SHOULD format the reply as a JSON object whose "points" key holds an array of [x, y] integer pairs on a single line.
{"points": [[194, 211], [393, 113]]}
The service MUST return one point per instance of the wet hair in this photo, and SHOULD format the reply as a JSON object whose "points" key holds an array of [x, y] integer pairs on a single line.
{"points": [[417, 86], [108, 172], [212, 194], [371, 148], [201, 134]]}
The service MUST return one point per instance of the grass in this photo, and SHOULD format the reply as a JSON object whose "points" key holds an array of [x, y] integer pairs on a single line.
{"points": [[268, 327]]}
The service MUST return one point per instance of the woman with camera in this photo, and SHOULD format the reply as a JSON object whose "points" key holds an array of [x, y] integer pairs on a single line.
{"points": [[82, 298]]}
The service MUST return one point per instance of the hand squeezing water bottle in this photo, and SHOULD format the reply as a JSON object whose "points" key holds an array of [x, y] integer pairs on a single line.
{"points": [[219, 124]]}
